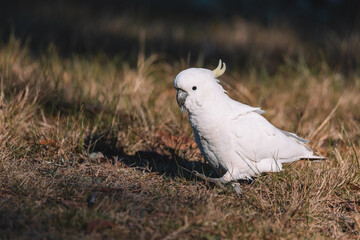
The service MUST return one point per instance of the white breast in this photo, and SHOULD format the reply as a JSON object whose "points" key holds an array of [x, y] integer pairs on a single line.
{"points": [[212, 139]]}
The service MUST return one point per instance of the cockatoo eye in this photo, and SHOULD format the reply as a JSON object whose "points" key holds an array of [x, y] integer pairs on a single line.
{"points": [[194, 88]]}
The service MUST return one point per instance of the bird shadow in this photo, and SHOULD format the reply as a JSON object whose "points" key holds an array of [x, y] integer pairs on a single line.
{"points": [[169, 164]]}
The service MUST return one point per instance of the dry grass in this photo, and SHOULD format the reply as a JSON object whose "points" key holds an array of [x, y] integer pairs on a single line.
{"points": [[56, 112]]}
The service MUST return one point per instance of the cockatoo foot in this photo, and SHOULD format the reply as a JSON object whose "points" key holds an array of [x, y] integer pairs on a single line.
{"points": [[237, 189], [220, 182]]}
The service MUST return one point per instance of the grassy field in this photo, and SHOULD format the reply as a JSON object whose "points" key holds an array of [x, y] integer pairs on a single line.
{"points": [[93, 147]]}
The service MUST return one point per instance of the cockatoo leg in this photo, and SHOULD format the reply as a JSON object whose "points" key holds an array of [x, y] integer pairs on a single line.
{"points": [[209, 179], [221, 181]]}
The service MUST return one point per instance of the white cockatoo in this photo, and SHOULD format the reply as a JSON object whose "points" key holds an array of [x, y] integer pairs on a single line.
{"points": [[234, 138]]}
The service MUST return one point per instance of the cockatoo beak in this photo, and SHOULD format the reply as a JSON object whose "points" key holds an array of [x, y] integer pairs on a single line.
{"points": [[180, 98]]}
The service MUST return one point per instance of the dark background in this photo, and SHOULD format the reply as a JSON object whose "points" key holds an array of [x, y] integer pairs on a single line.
{"points": [[199, 31]]}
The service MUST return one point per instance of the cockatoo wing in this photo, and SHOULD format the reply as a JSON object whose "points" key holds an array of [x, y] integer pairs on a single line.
{"points": [[240, 108], [257, 139]]}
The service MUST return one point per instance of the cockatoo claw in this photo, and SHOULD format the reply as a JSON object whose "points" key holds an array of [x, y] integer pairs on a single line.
{"points": [[237, 189]]}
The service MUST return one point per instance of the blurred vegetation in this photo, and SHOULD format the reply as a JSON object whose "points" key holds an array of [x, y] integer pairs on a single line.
{"points": [[243, 33]]}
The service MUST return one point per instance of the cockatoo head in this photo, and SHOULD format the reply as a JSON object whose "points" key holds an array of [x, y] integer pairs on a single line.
{"points": [[197, 86]]}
